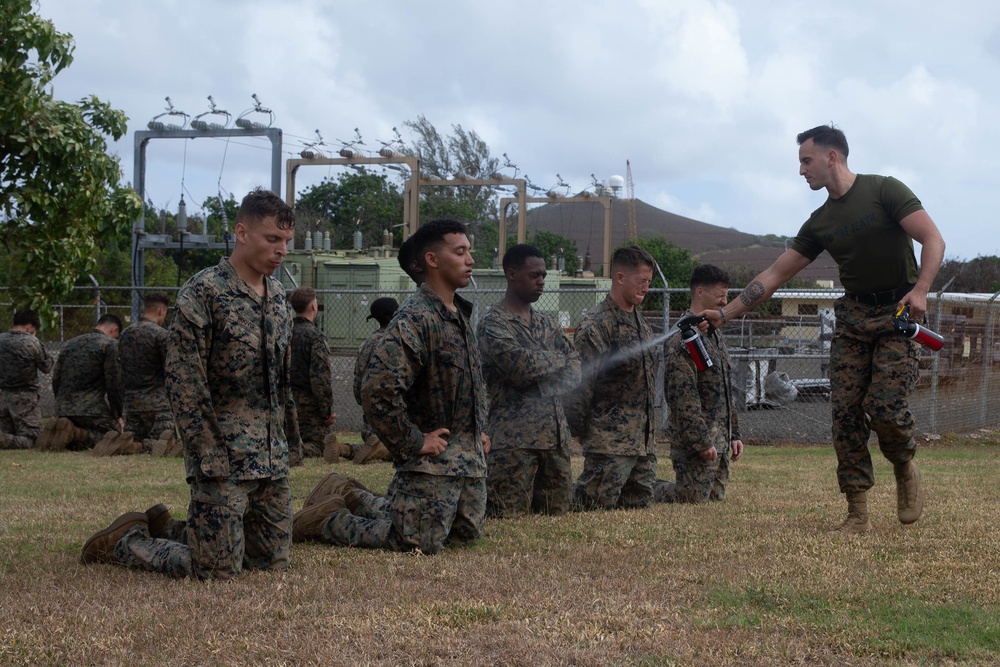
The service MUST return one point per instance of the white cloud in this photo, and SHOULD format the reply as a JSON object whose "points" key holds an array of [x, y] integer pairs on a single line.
{"points": [[704, 96]]}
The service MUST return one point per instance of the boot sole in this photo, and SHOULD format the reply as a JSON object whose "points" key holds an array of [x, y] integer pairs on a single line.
{"points": [[129, 519]]}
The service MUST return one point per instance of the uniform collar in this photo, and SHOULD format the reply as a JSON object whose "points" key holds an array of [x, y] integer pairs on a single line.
{"points": [[463, 305], [234, 281]]}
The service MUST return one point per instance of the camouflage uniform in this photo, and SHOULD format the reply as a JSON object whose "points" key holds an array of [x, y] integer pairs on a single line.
{"points": [[528, 365], [872, 370], [228, 379], [22, 357], [425, 375], [142, 350], [872, 373], [701, 416], [312, 384], [613, 412], [360, 364], [87, 384]]}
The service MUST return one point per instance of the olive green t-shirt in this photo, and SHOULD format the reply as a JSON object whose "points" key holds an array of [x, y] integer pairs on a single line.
{"points": [[862, 233]]}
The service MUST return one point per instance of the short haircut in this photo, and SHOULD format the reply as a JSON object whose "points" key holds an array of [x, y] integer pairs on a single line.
{"points": [[826, 136], [406, 257], [154, 299], [383, 310], [631, 257], [515, 257], [108, 318], [25, 317], [430, 236], [261, 204], [301, 298], [708, 275]]}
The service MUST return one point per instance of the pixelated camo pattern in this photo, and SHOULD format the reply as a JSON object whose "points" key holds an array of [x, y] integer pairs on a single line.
{"points": [[228, 377]]}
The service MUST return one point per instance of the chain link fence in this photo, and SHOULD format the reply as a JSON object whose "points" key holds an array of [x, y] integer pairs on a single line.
{"points": [[780, 352]]}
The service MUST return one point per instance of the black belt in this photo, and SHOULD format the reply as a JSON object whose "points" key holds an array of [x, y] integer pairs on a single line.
{"points": [[889, 297]]}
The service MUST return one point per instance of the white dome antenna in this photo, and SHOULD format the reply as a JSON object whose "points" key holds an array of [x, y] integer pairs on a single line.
{"points": [[616, 183]]}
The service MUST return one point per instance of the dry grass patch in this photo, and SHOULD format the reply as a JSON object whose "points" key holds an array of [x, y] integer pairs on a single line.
{"points": [[754, 580]]}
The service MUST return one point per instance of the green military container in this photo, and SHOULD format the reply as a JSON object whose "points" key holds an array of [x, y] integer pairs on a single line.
{"points": [[347, 281]]}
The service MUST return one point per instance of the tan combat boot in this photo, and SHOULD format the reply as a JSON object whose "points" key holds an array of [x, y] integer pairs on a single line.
{"points": [[56, 435], [307, 524], [909, 499], [76, 434], [168, 444], [856, 522], [129, 445], [109, 445], [334, 484], [331, 451], [373, 450], [116, 444], [100, 548], [44, 440]]}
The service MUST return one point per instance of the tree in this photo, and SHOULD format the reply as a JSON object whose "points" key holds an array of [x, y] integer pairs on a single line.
{"points": [[981, 274], [463, 153], [221, 214], [553, 244], [60, 198], [363, 200]]}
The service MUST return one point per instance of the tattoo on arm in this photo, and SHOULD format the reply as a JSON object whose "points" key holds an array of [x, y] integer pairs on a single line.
{"points": [[753, 293]]}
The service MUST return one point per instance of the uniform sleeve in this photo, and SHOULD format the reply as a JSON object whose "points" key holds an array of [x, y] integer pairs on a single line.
{"points": [[43, 360], [113, 380], [734, 424], [681, 389], [291, 424], [360, 364], [320, 375], [806, 244], [187, 388], [592, 344], [568, 379], [392, 369], [519, 366], [898, 200]]}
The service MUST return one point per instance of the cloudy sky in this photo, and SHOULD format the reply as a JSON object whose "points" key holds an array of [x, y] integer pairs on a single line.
{"points": [[704, 97]]}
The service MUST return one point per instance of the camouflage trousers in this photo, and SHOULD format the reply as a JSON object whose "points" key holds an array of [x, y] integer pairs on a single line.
{"points": [[311, 427], [420, 511], [872, 373], [231, 525], [695, 480], [146, 426], [366, 430], [20, 419], [95, 426], [527, 480], [609, 481]]}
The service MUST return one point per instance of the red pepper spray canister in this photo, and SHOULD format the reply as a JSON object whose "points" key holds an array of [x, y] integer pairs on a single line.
{"points": [[691, 340], [929, 339]]}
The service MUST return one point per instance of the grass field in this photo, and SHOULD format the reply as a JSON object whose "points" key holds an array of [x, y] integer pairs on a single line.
{"points": [[751, 581]]}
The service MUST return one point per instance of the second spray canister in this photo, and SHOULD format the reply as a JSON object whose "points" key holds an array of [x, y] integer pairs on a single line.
{"points": [[691, 340]]}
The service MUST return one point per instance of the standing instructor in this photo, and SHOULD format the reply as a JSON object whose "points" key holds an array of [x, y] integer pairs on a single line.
{"points": [[868, 224]]}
